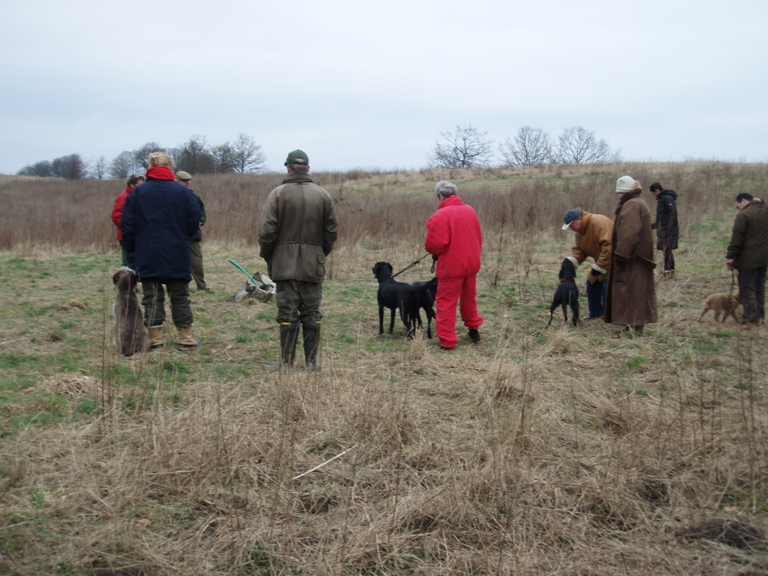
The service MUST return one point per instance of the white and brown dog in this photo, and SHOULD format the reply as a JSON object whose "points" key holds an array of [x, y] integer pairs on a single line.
{"points": [[131, 335]]}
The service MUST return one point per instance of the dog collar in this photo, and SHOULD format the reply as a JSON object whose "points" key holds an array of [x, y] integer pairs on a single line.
{"points": [[567, 279]]}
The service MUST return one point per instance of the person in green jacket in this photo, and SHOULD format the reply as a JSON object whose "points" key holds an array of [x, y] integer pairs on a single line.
{"points": [[297, 230], [748, 253], [196, 251]]}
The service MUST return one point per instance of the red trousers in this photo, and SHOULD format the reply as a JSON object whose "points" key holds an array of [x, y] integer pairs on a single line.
{"points": [[449, 292]]}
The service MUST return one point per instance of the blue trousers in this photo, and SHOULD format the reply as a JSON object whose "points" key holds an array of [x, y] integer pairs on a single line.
{"points": [[596, 297]]}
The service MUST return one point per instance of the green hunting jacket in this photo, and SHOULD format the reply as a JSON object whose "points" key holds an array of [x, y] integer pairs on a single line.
{"points": [[749, 239], [297, 230], [199, 234]]}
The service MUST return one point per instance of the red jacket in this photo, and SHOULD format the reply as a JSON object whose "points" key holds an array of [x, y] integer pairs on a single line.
{"points": [[453, 234], [117, 209]]}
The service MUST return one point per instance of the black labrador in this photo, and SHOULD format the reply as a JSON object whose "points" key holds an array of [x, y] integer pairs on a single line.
{"points": [[394, 295], [567, 293], [423, 299]]}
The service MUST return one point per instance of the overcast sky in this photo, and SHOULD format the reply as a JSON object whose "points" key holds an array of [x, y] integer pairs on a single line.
{"points": [[373, 83]]}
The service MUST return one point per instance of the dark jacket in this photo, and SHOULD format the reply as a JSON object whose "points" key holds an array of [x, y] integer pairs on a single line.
{"points": [[749, 239], [159, 218], [631, 298], [454, 234], [297, 230], [666, 226], [199, 234]]}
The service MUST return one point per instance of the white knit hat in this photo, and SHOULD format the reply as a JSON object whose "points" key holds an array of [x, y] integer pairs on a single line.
{"points": [[625, 184]]}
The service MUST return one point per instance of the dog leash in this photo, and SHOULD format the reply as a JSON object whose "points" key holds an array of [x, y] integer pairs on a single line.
{"points": [[411, 265]]}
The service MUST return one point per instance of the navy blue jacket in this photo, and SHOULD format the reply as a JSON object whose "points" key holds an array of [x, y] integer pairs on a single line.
{"points": [[159, 218]]}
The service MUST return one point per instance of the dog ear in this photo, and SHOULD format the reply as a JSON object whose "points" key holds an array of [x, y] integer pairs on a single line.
{"points": [[116, 277]]}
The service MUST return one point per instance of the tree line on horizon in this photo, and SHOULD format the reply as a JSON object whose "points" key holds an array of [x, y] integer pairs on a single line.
{"points": [[195, 156], [464, 147], [468, 147]]}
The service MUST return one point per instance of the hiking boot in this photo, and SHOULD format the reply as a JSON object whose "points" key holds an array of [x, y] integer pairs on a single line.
{"points": [[186, 339], [474, 335], [156, 337]]}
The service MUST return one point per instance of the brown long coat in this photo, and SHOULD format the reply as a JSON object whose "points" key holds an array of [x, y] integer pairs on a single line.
{"points": [[631, 298]]}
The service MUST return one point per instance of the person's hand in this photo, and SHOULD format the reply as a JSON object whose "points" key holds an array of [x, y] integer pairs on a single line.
{"points": [[729, 263], [593, 276], [434, 257]]}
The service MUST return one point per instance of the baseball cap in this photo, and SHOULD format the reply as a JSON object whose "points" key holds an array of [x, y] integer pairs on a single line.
{"points": [[569, 217], [297, 157]]}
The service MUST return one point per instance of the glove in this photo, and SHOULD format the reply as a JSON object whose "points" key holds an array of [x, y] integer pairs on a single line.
{"points": [[434, 257], [593, 277]]}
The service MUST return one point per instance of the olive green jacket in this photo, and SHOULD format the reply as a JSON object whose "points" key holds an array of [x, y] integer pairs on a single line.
{"points": [[749, 239], [297, 230]]}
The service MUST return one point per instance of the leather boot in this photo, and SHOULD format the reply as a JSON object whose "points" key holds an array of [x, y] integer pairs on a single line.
{"points": [[311, 333], [186, 339], [156, 337], [289, 336]]}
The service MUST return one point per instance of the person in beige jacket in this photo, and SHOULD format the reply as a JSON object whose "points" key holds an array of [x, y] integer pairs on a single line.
{"points": [[594, 234]]}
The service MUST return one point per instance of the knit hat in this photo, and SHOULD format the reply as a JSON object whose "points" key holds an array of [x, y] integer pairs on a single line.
{"points": [[297, 157], [182, 175], [625, 184], [569, 217]]}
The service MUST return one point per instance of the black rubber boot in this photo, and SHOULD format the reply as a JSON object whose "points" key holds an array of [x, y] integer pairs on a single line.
{"points": [[311, 344], [289, 335]]}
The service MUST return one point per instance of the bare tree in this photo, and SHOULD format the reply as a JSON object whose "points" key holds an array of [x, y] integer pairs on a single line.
{"points": [[140, 155], [247, 156], [123, 165], [465, 147], [531, 147], [100, 168], [579, 146], [71, 167], [223, 158], [42, 169], [194, 156]]}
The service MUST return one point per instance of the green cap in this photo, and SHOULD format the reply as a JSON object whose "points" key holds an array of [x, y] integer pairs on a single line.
{"points": [[297, 157]]}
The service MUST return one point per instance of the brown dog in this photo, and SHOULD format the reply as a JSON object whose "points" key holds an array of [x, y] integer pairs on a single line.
{"points": [[131, 335], [724, 303]]}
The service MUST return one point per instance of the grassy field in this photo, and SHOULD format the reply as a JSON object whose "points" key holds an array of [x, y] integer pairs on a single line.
{"points": [[539, 451]]}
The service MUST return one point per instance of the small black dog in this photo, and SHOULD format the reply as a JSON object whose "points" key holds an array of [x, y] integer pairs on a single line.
{"points": [[393, 295], [567, 294], [423, 298]]}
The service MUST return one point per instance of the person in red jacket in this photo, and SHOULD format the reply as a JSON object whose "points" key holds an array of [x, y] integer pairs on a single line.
{"points": [[455, 238], [117, 210]]}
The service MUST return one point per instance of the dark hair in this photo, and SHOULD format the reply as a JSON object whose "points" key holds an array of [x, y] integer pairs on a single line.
{"points": [[134, 179], [299, 168], [656, 186], [744, 196]]}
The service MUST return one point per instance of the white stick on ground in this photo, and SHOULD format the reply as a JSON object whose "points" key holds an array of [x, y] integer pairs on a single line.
{"points": [[323, 464]]}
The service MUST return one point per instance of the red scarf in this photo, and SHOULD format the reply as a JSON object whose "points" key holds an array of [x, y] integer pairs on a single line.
{"points": [[160, 173]]}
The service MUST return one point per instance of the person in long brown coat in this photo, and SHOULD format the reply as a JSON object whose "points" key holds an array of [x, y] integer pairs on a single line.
{"points": [[631, 298]]}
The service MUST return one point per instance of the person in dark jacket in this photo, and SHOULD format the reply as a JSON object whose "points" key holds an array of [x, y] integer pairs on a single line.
{"points": [[117, 212], [455, 237], [297, 231], [748, 253], [666, 226], [198, 273], [159, 218]]}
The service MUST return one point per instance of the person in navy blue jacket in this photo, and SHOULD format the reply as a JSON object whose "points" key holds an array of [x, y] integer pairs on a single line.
{"points": [[159, 218]]}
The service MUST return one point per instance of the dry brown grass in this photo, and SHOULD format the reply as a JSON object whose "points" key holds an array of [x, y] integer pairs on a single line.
{"points": [[539, 451]]}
